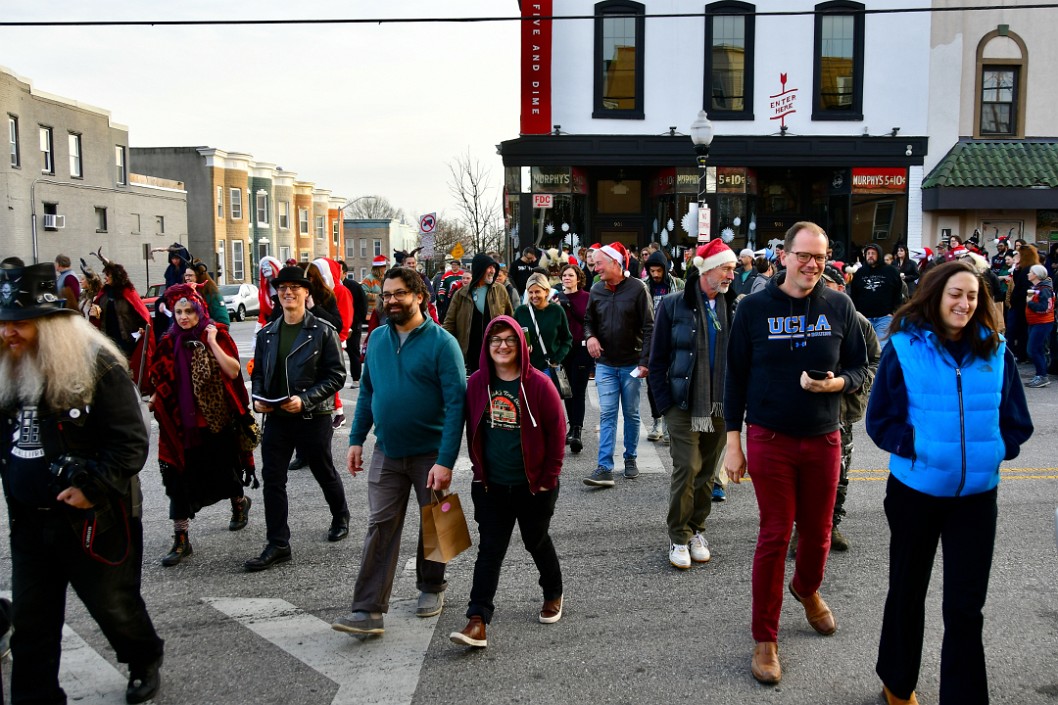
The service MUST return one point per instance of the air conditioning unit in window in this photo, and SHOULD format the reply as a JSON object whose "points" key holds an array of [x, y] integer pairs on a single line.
{"points": [[55, 222]]}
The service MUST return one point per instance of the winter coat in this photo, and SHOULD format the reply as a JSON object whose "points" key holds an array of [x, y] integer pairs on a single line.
{"points": [[315, 370]]}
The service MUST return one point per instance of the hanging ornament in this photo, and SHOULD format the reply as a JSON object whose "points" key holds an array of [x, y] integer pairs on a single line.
{"points": [[573, 240], [752, 225], [727, 234], [655, 229], [549, 229], [565, 227], [690, 220], [665, 237], [670, 226], [737, 221]]}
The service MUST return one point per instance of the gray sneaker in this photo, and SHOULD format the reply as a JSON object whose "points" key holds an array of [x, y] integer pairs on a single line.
{"points": [[430, 604], [631, 469], [600, 478], [1037, 382], [359, 623]]}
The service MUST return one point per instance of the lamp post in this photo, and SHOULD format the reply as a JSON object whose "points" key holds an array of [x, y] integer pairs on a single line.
{"points": [[702, 137]]}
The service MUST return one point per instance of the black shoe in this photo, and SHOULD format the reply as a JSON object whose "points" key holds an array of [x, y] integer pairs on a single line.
{"points": [[575, 444], [339, 529], [297, 463], [240, 514], [270, 555], [144, 682], [181, 549]]}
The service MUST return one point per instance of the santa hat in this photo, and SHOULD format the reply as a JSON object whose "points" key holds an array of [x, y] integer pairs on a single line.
{"points": [[324, 268], [617, 252], [712, 255], [379, 261]]}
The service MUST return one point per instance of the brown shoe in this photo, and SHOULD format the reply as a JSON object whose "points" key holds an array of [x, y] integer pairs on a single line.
{"points": [[891, 699], [817, 612], [765, 665], [472, 635], [551, 612]]}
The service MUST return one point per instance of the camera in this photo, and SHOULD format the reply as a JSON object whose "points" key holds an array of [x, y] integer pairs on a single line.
{"points": [[68, 471]]}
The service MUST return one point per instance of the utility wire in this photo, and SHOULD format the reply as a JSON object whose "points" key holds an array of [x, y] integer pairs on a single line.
{"points": [[527, 18]]}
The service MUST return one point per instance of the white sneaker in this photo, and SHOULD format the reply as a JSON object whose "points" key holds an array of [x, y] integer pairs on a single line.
{"points": [[699, 549], [679, 556], [655, 431]]}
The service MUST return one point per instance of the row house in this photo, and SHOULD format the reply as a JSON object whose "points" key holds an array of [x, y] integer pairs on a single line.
{"points": [[367, 238], [241, 210], [69, 187], [993, 168], [819, 111]]}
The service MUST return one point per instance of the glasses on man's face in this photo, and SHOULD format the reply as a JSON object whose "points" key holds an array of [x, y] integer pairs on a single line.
{"points": [[804, 257], [497, 342], [399, 295], [288, 287]]}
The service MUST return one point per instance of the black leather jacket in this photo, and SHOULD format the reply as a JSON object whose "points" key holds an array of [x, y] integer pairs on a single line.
{"points": [[109, 433], [314, 366], [622, 320]]}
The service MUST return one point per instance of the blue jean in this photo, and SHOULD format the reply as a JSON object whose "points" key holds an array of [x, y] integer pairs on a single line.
{"points": [[881, 328], [617, 386], [1037, 346]]}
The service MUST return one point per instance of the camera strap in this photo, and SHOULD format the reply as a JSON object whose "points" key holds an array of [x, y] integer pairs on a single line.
{"points": [[89, 532]]}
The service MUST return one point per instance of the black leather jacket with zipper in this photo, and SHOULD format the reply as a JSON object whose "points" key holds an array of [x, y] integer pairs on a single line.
{"points": [[314, 366]]}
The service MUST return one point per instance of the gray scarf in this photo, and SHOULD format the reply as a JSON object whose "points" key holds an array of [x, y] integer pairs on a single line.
{"points": [[707, 392]]}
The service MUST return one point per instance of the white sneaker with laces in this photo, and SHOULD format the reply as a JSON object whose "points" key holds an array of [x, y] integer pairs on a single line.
{"points": [[699, 549], [679, 556], [655, 431]]}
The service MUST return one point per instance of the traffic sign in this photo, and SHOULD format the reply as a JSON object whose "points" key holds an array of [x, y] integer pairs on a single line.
{"points": [[704, 223], [457, 251], [543, 200], [427, 223]]}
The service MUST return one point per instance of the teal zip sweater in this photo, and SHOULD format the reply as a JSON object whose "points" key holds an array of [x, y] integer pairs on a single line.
{"points": [[413, 394]]}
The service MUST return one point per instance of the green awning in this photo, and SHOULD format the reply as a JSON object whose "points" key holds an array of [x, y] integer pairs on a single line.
{"points": [[995, 164]]}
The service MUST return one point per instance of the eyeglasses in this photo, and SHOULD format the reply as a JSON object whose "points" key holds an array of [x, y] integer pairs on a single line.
{"points": [[289, 287], [399, 295], [497, 342], [804, 257]]}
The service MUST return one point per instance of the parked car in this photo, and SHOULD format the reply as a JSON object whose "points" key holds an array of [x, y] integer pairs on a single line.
{"points": [[241, 299], [153, 293]]}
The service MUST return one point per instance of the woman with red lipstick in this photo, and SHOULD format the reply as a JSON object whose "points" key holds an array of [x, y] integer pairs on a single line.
{"points": [[948, 405]]}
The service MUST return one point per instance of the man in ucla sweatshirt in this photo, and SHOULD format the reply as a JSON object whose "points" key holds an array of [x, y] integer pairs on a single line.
{"points": [[412, 391], [794, 349]]}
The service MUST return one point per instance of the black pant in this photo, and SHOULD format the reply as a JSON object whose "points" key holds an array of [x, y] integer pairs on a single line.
{"points": [[495, 510], [352, 348], [311, 437], [46, 557], [966, 527], [578, 365]]}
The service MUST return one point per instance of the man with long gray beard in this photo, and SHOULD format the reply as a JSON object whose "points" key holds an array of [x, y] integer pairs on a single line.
{"points": [[72, 440], [413, 391]]}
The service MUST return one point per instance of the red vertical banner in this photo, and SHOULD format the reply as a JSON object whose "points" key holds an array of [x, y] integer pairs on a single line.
{"points": [[536, 68]]}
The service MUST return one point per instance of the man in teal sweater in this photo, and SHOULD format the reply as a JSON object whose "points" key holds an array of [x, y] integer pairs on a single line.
{"points": [[412, 391]]}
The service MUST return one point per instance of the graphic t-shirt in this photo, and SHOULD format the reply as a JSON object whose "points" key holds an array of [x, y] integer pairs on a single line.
{"points": [[503, 437], [28, 476]]}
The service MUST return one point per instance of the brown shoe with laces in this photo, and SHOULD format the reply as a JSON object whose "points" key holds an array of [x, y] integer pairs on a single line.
{"points": [[891, 699], [817, 612], [765, 665], [472, 635]]}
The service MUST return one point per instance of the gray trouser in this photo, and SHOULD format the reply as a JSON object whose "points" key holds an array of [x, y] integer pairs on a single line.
{"points": [[695, 457], [843, 480], [389, 485]]}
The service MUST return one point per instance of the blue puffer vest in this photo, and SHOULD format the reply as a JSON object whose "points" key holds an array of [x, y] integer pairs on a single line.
{"points": [[944, 400]]}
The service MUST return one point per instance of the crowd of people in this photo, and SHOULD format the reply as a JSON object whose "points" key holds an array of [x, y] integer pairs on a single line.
{"points": [[727, 343]]}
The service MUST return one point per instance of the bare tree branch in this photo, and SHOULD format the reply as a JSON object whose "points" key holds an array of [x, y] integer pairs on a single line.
{"points": [[477, 203], [373, 208]]}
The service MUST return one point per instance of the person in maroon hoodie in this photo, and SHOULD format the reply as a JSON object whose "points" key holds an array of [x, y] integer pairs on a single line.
{"points": [[516, 430]]}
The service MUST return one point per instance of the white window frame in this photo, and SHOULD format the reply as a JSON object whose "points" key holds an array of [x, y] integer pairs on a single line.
{"points": [[47, 151], [136, 223], [334, 232], [119, 163], [220, 203], [238, 261], [303, 222], [363, 247], [235, 195], [159, 221], [12, 136], [76, 162], [222, 262], [262, 209], [363, 273], [378, 247], [321, 224], [284, 254], [284, 215], [101, 219]]}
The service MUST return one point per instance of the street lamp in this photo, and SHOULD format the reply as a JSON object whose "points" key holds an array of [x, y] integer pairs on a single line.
{"points": [[702, 136]]}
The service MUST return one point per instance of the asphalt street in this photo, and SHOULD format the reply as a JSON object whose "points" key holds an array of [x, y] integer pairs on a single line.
{"points": [[634, 629]]}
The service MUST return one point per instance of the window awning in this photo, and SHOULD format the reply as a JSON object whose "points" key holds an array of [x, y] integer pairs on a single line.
{"points": [[977, 174]]}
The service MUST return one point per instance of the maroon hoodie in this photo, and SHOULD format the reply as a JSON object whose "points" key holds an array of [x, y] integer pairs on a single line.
{"points": [[543, 428]]}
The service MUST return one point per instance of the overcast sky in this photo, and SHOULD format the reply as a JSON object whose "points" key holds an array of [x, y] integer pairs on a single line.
{"points": [[358, 109]]}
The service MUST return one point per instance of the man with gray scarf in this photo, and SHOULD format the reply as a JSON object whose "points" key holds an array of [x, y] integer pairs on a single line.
{"points": [[688, 367]]}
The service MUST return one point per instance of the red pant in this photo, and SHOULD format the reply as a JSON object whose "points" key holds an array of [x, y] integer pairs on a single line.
{"points": [[794, 479]]}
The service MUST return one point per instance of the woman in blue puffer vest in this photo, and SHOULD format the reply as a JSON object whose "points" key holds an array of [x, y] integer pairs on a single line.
{"points": [[949, 406]]}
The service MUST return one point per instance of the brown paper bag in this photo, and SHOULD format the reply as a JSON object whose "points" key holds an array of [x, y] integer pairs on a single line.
{"points": [[444, 528]]}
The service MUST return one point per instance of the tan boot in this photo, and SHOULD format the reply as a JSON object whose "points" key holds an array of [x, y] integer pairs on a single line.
{"points": [[765, 664], [817, 612], [891, 699]]}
